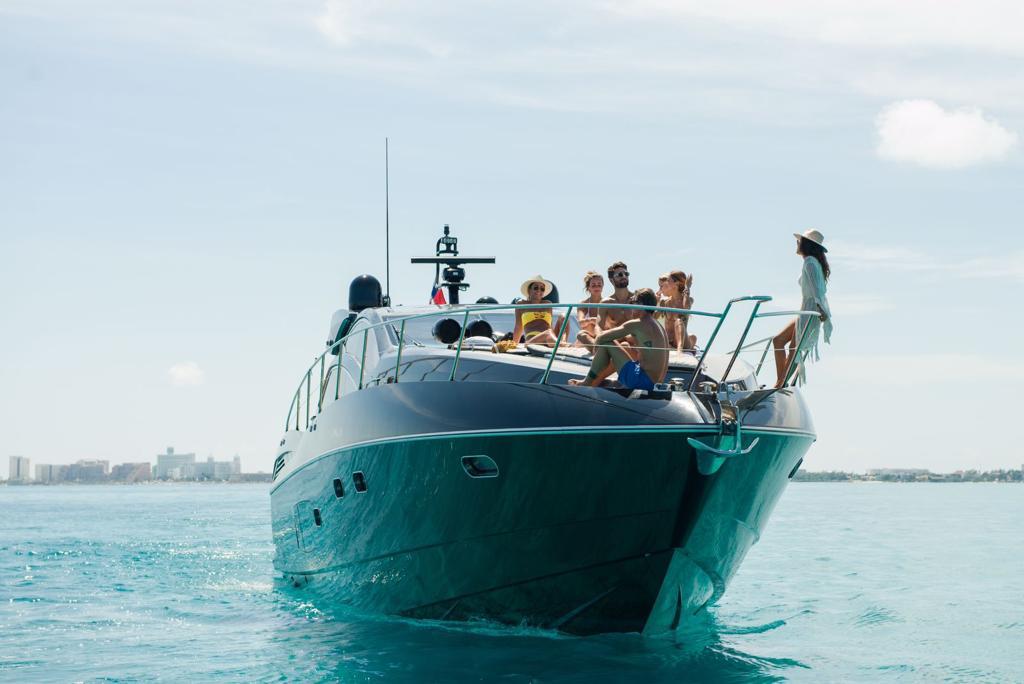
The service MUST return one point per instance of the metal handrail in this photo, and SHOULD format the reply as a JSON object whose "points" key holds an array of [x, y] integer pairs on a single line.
{"points": [[797, 359], [458, 350], [711, 340], [767, 341], [558, 341], [339, 346], [758, 301]]}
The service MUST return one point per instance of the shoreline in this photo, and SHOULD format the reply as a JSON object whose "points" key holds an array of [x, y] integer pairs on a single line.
{"points": [[143, 483]]}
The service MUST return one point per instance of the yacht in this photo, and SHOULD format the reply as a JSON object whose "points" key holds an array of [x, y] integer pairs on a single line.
{"points": [[421, 473]]}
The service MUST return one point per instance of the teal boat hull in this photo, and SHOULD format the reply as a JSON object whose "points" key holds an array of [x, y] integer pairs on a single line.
{"points": [[592, 528]]}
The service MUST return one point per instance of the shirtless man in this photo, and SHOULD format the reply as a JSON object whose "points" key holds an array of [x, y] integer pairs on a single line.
{"points": [[651, 346], [618, 275]]}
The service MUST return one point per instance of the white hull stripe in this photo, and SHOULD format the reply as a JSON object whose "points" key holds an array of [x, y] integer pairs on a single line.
{"points": [[517, 432]]}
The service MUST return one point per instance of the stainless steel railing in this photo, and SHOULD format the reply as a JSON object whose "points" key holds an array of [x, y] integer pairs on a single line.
{"points": [[340, 347]]}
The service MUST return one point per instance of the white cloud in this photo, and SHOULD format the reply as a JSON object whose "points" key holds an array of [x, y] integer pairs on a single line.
{"points": [[789, 63], [988, 25], [915, 369], [338, 22], [896, 258], [921, 132], [843, 305], [185, 373], [846, 305], [394, 23], [887, 257]]}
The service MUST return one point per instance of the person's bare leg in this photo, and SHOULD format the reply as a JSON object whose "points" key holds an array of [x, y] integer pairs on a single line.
{"points": [[619, 353], [586, 336], [585, 340], [609, 358], [608, 370], [782, 357], [601, 359], [545, 337]]}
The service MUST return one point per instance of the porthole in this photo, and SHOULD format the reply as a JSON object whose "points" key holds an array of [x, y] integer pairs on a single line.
{"points": [[316, 517], [339, 489], [359, 481]]}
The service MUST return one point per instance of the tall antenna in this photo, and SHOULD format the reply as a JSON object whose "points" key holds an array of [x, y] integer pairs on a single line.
{"points": [[387, 230]]}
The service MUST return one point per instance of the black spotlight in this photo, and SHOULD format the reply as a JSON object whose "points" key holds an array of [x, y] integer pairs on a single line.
{"points": [[553, 295], [447, 331], [364, 293], [479, 328], [487, 300]]}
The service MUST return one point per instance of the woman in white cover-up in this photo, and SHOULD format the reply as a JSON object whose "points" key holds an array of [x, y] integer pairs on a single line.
{"points": [[813, 284]]}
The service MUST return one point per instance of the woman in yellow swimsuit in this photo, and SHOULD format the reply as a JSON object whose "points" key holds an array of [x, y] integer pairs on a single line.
{"points": [[535, 324]]}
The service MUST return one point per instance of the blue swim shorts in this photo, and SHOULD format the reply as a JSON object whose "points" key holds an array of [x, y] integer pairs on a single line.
{"points": [[632, 376]]}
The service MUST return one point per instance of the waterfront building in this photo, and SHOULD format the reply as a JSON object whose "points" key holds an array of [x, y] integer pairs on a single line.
{"points": [[172, 466], [132, 472], [86, 471], [49, 473], [216, 470], [18, 469]]}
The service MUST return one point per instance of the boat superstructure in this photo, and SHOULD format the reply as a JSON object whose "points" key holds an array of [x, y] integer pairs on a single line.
{"points": [[423, 474]]}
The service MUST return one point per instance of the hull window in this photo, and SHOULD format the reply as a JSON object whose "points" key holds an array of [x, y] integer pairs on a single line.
{"points": [[339, 489], [359, 481], [316, 517], [279, 463], [795, 468], [480, 466]]}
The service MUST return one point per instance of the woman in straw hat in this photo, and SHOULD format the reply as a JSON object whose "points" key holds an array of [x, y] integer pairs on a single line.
{"points": [[535, 324], [813, 283]]}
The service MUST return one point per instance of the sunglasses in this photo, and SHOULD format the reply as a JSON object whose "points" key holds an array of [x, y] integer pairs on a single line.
{"points": [[620, 274], [537, 287]]}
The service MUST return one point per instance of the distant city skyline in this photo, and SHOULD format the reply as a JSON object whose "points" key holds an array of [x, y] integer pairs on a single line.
{"points": [[168, 465], [188, 189]]}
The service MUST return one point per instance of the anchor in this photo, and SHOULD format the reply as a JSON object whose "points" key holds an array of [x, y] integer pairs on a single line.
{"points": [[728, 442]]}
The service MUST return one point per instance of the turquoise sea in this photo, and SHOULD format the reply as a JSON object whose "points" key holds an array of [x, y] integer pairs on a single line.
{"points": [[851, 582]]}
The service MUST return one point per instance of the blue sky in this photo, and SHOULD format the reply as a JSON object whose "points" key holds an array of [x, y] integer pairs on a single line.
{"points": [[191, 186]]}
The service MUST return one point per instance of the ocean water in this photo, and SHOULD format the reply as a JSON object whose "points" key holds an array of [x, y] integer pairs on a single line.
{"points": [[851, 582]]}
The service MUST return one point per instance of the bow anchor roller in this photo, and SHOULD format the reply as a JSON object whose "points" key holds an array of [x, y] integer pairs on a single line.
{"points": [[728, 442]]}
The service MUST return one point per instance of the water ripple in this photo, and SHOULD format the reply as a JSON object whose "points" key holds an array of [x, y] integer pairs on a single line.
{"points": [[176, 583]]}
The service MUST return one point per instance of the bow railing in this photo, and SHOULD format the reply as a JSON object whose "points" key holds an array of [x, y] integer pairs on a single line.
{"points": [[323, 367]]}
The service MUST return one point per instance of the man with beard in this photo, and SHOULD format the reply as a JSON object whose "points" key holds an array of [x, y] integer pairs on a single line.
{"points": [[618, 275]]}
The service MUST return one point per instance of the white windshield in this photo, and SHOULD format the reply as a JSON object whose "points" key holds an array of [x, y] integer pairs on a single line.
{"points": [[420, 330]]}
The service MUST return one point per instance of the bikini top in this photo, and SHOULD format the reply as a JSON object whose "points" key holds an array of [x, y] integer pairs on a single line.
{"points": [[589, 311], [528, 317]]}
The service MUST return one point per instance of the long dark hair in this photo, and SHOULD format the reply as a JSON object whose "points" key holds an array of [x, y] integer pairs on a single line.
{"points": [[813, 249]]}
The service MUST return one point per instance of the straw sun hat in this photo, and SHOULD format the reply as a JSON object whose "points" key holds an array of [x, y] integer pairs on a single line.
{"points": [[525, 289], [814, 236]]}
